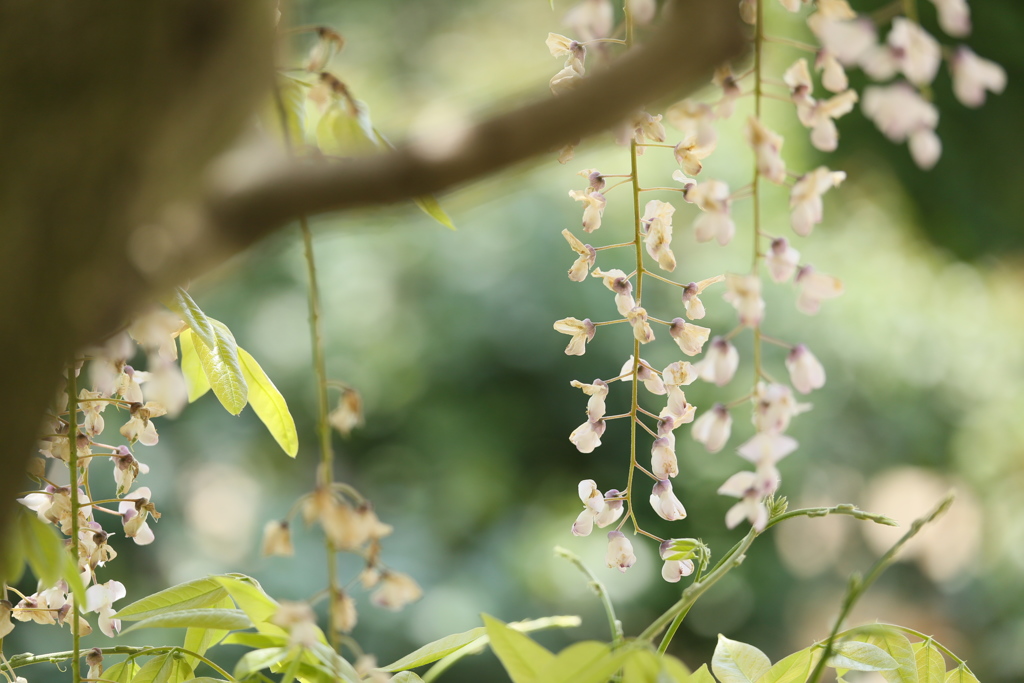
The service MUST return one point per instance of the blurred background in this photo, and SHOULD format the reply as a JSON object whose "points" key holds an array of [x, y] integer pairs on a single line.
{"points": [[448, 335]]}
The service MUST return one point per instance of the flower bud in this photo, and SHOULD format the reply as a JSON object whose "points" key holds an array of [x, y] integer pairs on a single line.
{"points": [[395, 591], [665, 503], [5, 618], [349, 413], [805, 371], [343, 612], [620, 552], [277, 539], [713, 428], [591, 496], [94, 659]]}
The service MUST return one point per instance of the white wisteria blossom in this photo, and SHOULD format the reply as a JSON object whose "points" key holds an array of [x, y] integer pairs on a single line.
{"points": [[593, 208], [581, 331], [620, 552], [692, 304], [805, 198], [973, 75], [815, 287], [715, 221], [782, 260], [720, 362], [744, 293], [664, 463], [665, 502], [587, 436], [767, 146], [713, 428], [902, 114], [694, 119], [616, 281], [805, 371], [99, 598], [658, 220], [597, 392], [585, 261], [644, 373]]}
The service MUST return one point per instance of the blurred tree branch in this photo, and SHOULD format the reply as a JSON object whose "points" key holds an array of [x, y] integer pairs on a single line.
{"points": [[111, 113]]}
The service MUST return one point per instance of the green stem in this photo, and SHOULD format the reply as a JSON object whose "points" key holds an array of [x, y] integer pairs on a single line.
{"points": [[56, 657], [756, 183], [600, 589], [76, 608], [859, 586], [842, 509]]}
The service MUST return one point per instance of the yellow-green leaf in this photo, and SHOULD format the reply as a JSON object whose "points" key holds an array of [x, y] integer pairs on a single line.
{"points": [[199, 640], [340, 134], [898, 647], [269, 404], [182, 304], [191, 368], [792, 669], [860, 656], [168, 668], [122, 672], [292, 94], [675, 669], [586, 662], [223, 371], [643, 666], [406, 677], [960, 675], [931, 667], [211, 618], [431, 652], [257, 660], [521, 656], [193, 594], [736, 662], [702, 675], [430, 206]]}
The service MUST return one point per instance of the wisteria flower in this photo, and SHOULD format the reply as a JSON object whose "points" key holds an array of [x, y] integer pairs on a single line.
{"points": [[915, 52], [692, 304], [744, 293], [597, 392], [613, 509], [833, 75], [277, 539], [658, 219], [641, 128], [751, 489], [954, 16], [842, 32], [774, 406], [581, 331], [677, 411], [805, 371], [664, 463], [565, 80], [593, 505], [155, 330], [620, 552], [782, 259], [815, 287], [100, 598], [299, 619], [673, 569], [715, 221], [901, 114], [973, 75], [348, 414], [593, 208], [694, 119], [679, 373], [805, 198], [665, 502], [92, 411], [689, 155], [134, 514], [395, 591], [764, 449], [720, 362], [642, 331], [587, 436], [713, 428], [725, 79], [573, 51], [617, 282], [587, 257], [590, 19], [139, 427], [126, 469], [767, 146], [644, 373]]}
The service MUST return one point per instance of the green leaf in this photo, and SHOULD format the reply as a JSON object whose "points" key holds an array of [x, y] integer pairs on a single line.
{"points": [[256, 640], [434, 651], [522, 658], [642, 666], [896, 645], [931, 667], [206, 679], [182, 304], [861, 657], [406, 677], [792, 669], [736, 662], [292, 93], [702, 675], [259, 606], [47, 556], [429, 205], [676, 671], [960, 675], [335, 665], [586, 662], [269, 404], [12, 553], [199, 640], [193, 594], [122, 672], [226, 619], [223, 371], [168, 668], [339, 133], [191, 367], [257, 660]]}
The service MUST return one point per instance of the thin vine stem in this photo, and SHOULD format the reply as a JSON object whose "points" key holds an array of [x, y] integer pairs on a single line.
{"points": [[76, 505], [28, 659], [599, 588]]}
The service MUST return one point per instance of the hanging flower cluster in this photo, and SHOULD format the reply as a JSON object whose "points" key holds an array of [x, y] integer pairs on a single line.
{"points": [[901, 112]]}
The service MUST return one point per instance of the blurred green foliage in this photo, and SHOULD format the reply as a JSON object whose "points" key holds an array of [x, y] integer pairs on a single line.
{"points": [[448, 336]]}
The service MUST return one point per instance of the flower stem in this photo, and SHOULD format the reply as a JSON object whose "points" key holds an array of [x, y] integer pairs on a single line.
{"points": [[599, 588], [76, 608]]}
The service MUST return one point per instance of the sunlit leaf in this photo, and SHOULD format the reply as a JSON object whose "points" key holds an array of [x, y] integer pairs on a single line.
{"points": [[792, 669], [736, 662], [430, 206], [861, 657], [702, 675], [269, 404], [122, 672], [960, 675], [322, 654], [182, 304], [586, 662], [896, 645], [12, 554], [193, 594], [226, 619], [256, 660], [931, 667], [339, 133], [642, 666], [431, 652], [522, 657], [199, 640], [223, 371], [47, 555], [289, 100], [167, 668], [406, 677], [256, 640], [676, 671], [191, 367], [252, 600]]}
